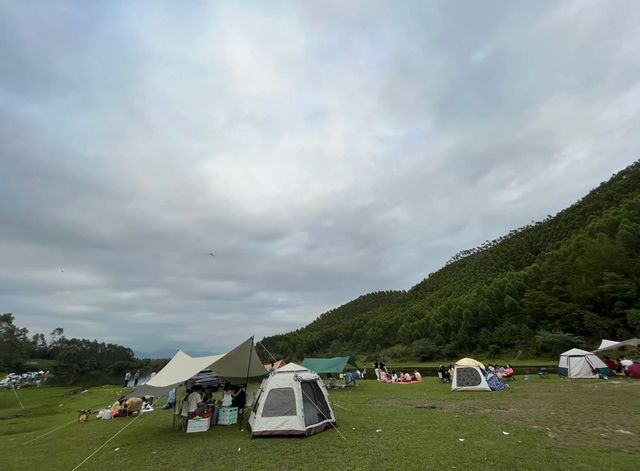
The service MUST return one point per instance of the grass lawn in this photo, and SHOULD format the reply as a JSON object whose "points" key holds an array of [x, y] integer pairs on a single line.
{"points": [[551, 424]]}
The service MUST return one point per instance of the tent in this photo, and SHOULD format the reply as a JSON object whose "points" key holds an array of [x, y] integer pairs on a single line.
{"points": [[292, 401], [468, 375], [612, 344], [328, 365], [576, 363], [240, 363]]}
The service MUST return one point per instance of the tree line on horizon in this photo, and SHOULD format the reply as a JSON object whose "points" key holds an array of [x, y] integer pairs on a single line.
{"points": [[70, 360], [563, 282]]}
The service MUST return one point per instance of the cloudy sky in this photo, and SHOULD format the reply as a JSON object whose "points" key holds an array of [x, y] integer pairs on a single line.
{"points": [[321, 150]]}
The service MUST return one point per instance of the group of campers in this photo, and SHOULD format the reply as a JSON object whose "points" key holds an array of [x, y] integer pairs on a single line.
{"points": [[200, 400], [620, 367], [383, 375]]}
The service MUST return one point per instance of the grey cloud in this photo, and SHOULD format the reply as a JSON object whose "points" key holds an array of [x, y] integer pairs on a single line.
{"points": [[320, 151]]}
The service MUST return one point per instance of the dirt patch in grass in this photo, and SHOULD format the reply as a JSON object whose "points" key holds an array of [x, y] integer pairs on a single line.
{"points": [[572, 413]]}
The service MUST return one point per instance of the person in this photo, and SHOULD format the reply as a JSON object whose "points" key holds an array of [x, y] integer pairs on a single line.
{"points": [[634, 369], [272, 369], [171, 399], [116, 407], [394, 376], [136, 377], [508, 371], [191, 402], [364, 373], [376, 368], [131, 405], [227, 397], [625, 363], [239, 397], [418, 376], [127, 377], [406, 377], [383, 367], [611, 364], [207, 394]]}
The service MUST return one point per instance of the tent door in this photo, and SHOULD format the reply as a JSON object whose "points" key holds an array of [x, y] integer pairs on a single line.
{"points": [[314, 404]]}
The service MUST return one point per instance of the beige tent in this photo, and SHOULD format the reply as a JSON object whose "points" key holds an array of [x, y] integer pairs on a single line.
{"points": [[240, 363]]}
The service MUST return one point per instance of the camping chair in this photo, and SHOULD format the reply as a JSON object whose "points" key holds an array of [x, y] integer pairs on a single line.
{"points": [[542, 372]]}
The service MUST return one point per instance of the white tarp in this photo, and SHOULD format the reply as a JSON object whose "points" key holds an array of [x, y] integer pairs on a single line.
{"points": [[241, 362], [610, 344]]}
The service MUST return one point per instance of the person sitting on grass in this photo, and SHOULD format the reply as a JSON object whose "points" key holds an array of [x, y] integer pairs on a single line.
{"points": [[611, 364], [394, 376], [116, 407], [417, 376], [508, 371], [406, 377]]}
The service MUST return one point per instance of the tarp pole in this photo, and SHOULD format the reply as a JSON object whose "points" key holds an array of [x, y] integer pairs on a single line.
{"points": [[246, 383], [265, 348]]}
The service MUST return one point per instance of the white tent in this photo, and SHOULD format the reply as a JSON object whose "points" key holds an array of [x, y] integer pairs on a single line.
{"points": [[292, 401], [576, 363], [612, 344], [241, 362], [468, 375]]}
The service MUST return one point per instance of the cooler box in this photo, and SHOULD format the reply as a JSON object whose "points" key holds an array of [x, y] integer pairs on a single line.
{"points": [[228, 416], [198, 424]]}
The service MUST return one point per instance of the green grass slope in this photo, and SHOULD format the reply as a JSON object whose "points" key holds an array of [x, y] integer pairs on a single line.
{"points": [[550, 424]]}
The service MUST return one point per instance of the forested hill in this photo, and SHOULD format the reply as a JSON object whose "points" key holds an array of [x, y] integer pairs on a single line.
{"points": [[569, 280]]}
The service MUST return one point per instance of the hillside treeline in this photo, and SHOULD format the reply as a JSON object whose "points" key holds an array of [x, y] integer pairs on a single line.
{"points": [[71, 360], [569, 280]]}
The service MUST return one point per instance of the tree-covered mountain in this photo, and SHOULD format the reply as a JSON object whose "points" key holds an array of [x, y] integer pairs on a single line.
{"points": [[568, 280]]}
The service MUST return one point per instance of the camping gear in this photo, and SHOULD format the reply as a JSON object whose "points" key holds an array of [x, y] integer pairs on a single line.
{"points": [[580, 364], [468, 375], [242, 362], [292, 401], [328, 365]]}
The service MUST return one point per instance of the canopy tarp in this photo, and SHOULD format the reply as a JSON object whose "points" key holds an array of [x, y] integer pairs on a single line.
{"points": [[610, 344], [241, 362], [328, 365]]}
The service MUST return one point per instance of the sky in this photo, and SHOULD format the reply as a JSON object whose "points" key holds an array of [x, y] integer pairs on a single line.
{"points": [[319, 151]]}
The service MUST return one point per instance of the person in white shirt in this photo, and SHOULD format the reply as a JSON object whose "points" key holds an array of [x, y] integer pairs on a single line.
{"points": [[625, 363], [191, 402]]}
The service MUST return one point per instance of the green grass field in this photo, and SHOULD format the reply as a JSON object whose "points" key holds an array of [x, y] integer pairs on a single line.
{"points": [[551, 424]]}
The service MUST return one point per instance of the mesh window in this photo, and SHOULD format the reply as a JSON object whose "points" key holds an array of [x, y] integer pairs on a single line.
{"points": [[468, 377], [315, 406], [280, 402]]}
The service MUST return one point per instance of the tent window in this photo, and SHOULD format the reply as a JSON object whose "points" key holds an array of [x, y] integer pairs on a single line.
{"points": [[315, 406], [466, 377], [280, 402]]}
